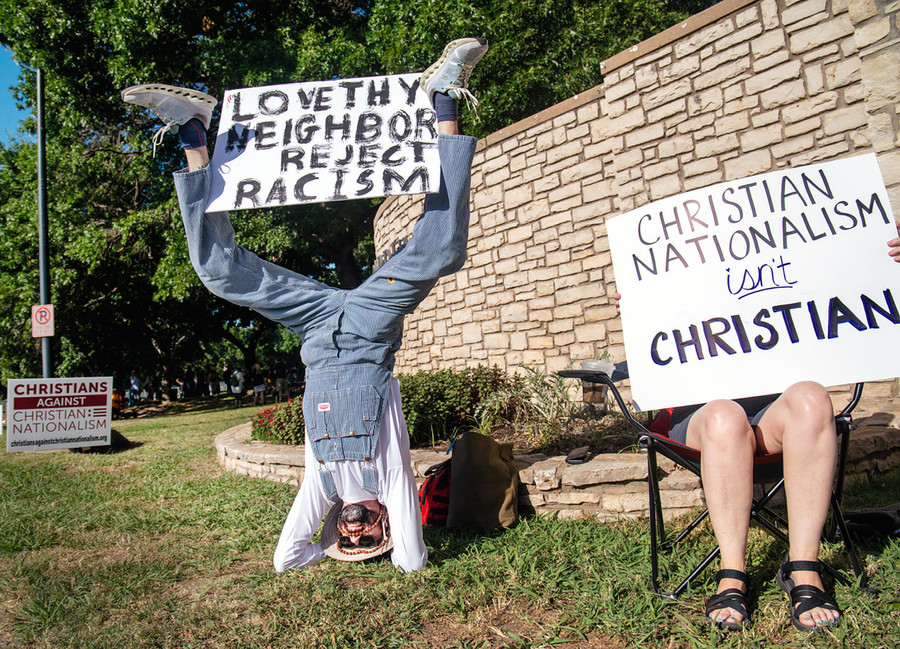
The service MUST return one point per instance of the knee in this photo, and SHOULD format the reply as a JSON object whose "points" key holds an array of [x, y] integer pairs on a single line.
{"points": [[723, 423], [215, 282], [451, 260], [810, 402]]}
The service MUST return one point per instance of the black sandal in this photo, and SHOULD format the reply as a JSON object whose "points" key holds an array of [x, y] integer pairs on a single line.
{"points": [[733, 598], [805, 597]]}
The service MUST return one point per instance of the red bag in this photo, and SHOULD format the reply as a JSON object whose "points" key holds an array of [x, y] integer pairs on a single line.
{"points": [[660, 423], [434, 494]]}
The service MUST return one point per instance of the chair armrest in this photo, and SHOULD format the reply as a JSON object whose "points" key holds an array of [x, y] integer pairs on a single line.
{"points": [[619, 374], [854, 400], [593, 376]]}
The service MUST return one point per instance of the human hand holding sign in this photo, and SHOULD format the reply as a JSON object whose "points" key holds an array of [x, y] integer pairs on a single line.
{"points": [[895, 246]]}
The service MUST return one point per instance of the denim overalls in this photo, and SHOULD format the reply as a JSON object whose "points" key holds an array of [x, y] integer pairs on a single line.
{"points": [[350, 338]]}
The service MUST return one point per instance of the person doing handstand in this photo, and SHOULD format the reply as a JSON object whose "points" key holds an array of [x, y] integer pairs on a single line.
{"points": [[357, 447]]}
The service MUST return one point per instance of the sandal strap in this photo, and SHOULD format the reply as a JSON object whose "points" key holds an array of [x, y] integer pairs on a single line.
{"points": [[790, 566], [727, 573], [730, 598], [805, 598]]}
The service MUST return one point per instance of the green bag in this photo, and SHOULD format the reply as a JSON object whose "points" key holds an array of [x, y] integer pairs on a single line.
{"points": [[484, 484]]}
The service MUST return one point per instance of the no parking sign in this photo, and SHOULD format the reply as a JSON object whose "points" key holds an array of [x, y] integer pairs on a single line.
{"points": [[42, 321]]}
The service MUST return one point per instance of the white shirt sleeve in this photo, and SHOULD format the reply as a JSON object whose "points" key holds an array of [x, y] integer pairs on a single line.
{"points": [[397, 485], [294, 549]]}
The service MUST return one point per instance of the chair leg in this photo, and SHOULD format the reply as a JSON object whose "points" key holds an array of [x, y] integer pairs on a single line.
{"points": [[656, 509], [700, 568], [841, 524], [831, 525], [767, 518], [655, 512], [658, 539]]}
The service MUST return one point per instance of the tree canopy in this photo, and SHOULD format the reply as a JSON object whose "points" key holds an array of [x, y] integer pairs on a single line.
{"points": [[125, 294]]}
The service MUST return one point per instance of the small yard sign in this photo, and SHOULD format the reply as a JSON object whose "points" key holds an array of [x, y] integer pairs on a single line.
{"points": [[44, 414]]}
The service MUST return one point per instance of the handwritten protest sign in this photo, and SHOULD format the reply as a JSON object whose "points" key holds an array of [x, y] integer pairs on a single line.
{"points": [[324, 141], [746, 287]]}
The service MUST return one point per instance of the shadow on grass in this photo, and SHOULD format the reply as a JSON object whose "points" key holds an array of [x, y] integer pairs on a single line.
{"points": [[118, 444], [190, 405], [445, 545]]}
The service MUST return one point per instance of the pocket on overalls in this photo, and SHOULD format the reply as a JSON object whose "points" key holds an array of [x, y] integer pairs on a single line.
{"points": [[349, 412]]}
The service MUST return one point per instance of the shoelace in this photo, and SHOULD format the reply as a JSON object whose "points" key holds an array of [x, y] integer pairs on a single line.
{"points": [[459, 87], [471, 100], [158, 136], [160, 133]]}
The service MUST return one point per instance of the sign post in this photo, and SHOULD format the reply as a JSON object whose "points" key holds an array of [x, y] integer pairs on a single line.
{"points": [[43, 237]]}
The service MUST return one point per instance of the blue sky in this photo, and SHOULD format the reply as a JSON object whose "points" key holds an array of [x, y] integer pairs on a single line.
{"points": [[9, 116]]}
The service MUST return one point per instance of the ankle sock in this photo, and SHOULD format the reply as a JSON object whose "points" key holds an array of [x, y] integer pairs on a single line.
{"points": [[447, 108], [192, 135]]}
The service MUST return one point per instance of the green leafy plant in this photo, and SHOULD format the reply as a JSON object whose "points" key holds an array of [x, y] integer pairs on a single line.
{"points": [[282, 423], [531, 406], [536, 404], [439, 404]]}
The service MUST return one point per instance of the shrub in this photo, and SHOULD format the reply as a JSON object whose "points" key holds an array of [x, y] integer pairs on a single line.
{"points": [[537, 405], [280, 424], [439, 404]]}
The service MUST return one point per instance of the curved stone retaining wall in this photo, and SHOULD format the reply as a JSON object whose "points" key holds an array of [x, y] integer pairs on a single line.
{"points": [[608, 487]]}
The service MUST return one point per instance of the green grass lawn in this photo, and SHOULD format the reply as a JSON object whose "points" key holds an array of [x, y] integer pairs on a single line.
{"points": [[155, 546]]}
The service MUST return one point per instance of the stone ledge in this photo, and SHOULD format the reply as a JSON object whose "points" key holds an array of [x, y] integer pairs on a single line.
{"points": [[611, 486]]}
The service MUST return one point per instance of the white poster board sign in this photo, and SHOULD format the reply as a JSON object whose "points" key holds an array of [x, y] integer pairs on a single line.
{"points": [[746, 287], [45, 414], [324, 141]]}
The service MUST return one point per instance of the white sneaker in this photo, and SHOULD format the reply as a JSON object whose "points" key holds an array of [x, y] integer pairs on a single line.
{"points": [[450, 73], [174, 106]]}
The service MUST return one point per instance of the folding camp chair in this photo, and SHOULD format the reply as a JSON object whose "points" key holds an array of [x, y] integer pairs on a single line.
{"points": [[767, 470]]}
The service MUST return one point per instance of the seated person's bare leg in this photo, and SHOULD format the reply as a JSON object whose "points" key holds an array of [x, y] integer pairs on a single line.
{"points": [[725, 439], [800, 424]]}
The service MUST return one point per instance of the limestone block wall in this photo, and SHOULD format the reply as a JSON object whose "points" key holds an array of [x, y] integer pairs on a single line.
{"points": [[610, 486], [742, 88]]}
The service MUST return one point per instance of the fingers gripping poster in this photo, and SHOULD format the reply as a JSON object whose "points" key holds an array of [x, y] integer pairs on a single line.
{"points": [[324, 141], [746, 287]]}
